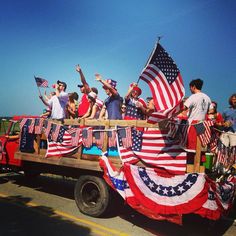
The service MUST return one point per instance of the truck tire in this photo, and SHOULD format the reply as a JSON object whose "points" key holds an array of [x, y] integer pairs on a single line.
{"points": [[92, 195]]}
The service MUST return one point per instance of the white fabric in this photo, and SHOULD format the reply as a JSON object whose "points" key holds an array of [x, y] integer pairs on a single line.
{"points": [[58, 105], [198, 105], [228, 139]]}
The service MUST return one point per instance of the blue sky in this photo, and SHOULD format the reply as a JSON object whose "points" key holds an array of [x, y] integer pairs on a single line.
{"points": [[47, 38]]}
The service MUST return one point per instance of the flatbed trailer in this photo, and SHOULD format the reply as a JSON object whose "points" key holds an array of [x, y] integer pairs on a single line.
{"points": [[92, 194]]}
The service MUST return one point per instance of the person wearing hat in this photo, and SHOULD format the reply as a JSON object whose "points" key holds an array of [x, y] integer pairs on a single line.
{"points": [[57, 102], [85, 89], [135, 106], [92, 101], [113, 102]]}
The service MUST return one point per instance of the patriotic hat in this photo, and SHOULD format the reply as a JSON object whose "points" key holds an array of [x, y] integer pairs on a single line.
{"points": [[138, 90], [92, 96], [111, 82]]}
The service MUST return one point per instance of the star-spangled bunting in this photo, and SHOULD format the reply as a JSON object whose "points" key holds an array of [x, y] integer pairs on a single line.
{"points": [[164, 198], [166, 84]]}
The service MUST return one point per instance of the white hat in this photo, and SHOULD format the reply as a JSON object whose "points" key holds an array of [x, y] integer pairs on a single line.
{"points": [[92, 95]]}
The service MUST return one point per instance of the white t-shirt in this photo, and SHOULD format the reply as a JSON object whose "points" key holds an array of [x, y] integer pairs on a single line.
{"points": [[58, 105], [198, 105]]}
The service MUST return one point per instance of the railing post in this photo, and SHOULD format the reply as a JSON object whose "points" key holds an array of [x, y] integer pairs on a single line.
{"points": [[197, 158]]}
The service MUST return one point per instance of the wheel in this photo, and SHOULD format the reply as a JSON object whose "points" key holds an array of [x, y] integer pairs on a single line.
{"points": [[92, 195]]}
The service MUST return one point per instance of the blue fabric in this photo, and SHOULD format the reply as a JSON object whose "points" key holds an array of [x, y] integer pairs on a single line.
{"points": [[94, 150], [230, 115], [113, 105]]}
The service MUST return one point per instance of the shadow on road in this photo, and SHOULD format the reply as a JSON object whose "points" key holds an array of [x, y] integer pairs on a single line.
{"points": [[18, 218]]}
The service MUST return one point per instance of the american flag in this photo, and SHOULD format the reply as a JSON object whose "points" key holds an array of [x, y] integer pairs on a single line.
{"points": [[87, 137], [63, 146], [133, 112], [31, 125], [127, 154], [55, 131], [112, 138], [126, 136], [38, 125], [203, 130], [75, 133], [154, 148], [23, 122], [99, 138], [179, 131], [41, 82], [166, 84], [47, 127]]}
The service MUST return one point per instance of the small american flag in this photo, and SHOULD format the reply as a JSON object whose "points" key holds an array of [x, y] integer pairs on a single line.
{"points": [[203, 130], [41, 82], [23, 122], [99, 138], [38, 125], [87, 137], [165, 82], [55, 131], [112, 138], [47, 127], [31, 126], [75, 133], [126, 136]]}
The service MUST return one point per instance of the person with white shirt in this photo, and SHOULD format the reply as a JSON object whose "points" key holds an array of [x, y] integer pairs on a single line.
{"points": [[197, 105], [58, 101]]}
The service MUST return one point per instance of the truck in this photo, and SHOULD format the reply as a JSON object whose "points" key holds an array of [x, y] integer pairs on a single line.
{"points": [[21, 150]]}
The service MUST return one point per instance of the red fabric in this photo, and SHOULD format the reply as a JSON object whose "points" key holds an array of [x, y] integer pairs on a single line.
{"points": [[83, 105], [192, 136], [161, 208]]}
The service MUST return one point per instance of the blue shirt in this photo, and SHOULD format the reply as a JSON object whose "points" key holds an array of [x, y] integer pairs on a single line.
{"points": [[113, 105], [230, 115]]}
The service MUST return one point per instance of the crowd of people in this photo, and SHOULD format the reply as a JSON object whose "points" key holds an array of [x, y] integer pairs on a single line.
{"points": [[61, 105], [197, 107]]}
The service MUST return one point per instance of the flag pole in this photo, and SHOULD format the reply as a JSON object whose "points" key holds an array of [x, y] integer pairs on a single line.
{"points": [[38, 87], [158, 40]]}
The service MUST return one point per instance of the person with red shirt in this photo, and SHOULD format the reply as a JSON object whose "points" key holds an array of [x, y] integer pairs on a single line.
{"points": [[214, 115]]}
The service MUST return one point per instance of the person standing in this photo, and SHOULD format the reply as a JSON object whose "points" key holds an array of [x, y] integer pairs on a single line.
{"points": [[197, 105], [84, 104], [112, 104], [57, 102], [229, 115]]}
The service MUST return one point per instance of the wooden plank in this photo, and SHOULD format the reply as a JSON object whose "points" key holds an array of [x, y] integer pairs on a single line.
{"points": [[190, 169], [112, 123], [197, 158], [83, 163]]}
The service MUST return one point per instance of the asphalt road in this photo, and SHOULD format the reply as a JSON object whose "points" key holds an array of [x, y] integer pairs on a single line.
{"points": [[46, 206]]}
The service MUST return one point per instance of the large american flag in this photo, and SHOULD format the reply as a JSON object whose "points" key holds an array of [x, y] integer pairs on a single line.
{"points": [[166, 84], [63, 146], [41, 82], [154, 148]]}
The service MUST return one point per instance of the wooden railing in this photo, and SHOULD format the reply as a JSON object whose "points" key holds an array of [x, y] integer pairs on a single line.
{"points": [[109, 124]]}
